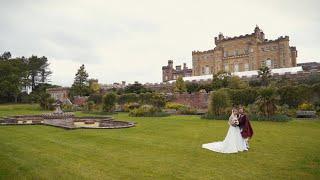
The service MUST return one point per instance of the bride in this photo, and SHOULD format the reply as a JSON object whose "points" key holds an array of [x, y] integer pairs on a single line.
{"points": [[233, 142]]}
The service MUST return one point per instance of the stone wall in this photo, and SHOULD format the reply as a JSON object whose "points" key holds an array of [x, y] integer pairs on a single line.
{"points": [[196, 100]]}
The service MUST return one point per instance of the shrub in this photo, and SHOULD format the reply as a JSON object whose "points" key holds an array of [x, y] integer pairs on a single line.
{"points": [[219, 100], [243, 96], [267, 100], [128, 98], [192, 87], [130, 106], [289, 95], [158, 100], [136, 88], [90, 106], [109, 101], [237, 83], [295, 95], [172, 105], [67, 108], [220, 80], [253, 117], [278, 117], [187, 110], [144, 98], [215, 117], [147, 111], [180, 85], [306, 107], [96, 98], [46, 101], [25, 98]]}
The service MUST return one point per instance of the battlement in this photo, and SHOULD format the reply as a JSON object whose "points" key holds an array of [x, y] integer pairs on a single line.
{"points": [[202, 52], [217, 40]]}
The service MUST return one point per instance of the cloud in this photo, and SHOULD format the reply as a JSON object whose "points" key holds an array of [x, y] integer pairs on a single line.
{"points": [[131, 40]]}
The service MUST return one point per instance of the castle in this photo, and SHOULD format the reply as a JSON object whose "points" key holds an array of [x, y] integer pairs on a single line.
{"points": [[169, 73], [244, 53], [237, 54]]}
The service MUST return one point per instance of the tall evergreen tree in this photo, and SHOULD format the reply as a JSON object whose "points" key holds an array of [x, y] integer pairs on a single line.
{"points": [[80, 86], [38, 70]]}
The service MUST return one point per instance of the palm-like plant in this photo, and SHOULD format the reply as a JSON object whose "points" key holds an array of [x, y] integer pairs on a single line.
{"points": [[267, 101], [264, 74]]}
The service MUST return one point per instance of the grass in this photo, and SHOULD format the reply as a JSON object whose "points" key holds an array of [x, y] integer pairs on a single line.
{"points": [[157, 148]]}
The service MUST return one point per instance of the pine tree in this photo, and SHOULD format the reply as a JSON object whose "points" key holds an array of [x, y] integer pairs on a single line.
{"points": [[80, 85]]}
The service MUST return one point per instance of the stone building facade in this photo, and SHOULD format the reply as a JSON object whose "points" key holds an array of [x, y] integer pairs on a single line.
{"points": [[59, 93], [244, 53], [170, 73]]}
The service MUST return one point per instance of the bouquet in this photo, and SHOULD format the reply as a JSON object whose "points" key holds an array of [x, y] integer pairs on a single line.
{"points": [[235, 122]]}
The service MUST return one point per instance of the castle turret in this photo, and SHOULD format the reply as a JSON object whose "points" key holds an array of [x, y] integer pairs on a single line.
{"points": [[258, 33]]}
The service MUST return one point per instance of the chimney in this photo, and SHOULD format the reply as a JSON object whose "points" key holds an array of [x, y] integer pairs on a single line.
{"points": [[178, 68], [184, 66], [221, 36], [170, 63]]}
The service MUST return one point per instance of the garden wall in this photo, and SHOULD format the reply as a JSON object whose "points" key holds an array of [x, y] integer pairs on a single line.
{"points": [[196, 100]]}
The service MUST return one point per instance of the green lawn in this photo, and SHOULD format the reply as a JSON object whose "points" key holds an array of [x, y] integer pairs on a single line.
{"points": [[157, 148]]}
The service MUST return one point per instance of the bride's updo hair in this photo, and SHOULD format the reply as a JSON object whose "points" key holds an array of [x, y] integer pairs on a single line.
{"points": [[234, 109]]}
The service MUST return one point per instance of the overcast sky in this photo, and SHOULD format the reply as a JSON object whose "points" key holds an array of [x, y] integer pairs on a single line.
{"points": [[131, 40]]}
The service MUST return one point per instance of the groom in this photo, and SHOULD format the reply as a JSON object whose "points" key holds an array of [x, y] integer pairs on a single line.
{"points": [[245, 126]]}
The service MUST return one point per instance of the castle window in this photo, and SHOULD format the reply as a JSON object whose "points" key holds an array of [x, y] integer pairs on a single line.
{"points": [[226, 67], [225, 54], [236, 53], [236, 67], [207, 70], [246, 51], [246, 67], [269, 63], [251, 50], [203, 71], [267, 48]]}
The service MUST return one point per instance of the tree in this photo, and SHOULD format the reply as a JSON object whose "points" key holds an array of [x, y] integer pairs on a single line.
{"points": [[264, 74], [243, 96], [237, 83], [46, 101], [80, 85], [94, 86], [19, 73], [220, 80], [267, 101], [109, 101], [180, 85], [5, 55], [136, 88], [12, 77], [38, 68], [192, 87], [219, 101]]}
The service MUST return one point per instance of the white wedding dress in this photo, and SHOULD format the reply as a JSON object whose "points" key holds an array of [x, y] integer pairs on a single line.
{"points": [[232, 143]]}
